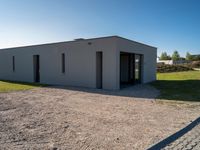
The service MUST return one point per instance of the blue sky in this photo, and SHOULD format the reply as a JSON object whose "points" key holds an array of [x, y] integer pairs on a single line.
{"points": [[167, 24]]}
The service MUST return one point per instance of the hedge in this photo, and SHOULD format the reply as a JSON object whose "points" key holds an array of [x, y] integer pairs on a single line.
{"points": [[162, 68]]}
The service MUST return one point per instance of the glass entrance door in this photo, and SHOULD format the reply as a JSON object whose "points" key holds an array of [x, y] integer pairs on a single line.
{"points": [[138, 68]]}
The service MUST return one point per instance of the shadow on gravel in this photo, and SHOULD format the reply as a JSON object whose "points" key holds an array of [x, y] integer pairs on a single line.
{"points": [[182, 90], [175, 136], [137, 91]]}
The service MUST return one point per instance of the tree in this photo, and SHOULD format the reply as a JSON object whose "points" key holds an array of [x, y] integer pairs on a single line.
{"points": [[189, 56], [175, 56], [164, 56]]}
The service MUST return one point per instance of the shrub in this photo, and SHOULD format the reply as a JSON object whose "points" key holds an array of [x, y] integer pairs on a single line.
{"points": [[172, 68], [195, 64]]}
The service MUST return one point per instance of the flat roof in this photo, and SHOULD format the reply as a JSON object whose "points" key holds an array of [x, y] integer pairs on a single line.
{"points": [[78, 40]]}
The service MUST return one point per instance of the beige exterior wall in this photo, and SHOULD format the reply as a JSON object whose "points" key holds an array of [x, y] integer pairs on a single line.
{"points": [[80, 59]]}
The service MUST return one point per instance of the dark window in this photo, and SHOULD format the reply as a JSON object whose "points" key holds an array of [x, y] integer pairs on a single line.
{"points": [[63, 63], [13, 63]]}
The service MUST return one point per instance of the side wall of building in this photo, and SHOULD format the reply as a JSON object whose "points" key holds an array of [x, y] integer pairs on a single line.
{"points": [[149, 58], [80, 63]]}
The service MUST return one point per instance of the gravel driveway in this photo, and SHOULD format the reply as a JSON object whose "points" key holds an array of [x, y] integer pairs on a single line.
{"points": [[75, 118]]}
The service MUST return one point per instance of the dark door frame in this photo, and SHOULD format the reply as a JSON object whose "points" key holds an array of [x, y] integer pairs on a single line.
{"points": [[36, 68], [99, 69]]}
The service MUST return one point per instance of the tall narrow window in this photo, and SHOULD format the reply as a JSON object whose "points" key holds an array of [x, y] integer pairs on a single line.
{"points": [[13, 63], [63, 63], [99, 69]]}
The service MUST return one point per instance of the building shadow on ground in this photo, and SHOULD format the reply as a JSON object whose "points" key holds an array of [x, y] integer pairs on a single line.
{"points": [[178, 90], [137, 91]]}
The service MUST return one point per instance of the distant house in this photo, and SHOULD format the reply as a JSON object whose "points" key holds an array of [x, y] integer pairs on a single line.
{"points": [[196, 57], [173, 62], [106, 62], [167, 62]]}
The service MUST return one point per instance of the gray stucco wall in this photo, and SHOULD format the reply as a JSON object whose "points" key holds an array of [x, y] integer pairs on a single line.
{"points": [[80, 63], [80, 59]]}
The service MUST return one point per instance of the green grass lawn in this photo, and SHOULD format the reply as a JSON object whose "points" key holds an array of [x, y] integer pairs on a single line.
{"points": [[184, 86], [7, 86]]}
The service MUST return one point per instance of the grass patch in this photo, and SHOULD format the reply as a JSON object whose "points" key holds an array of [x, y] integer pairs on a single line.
{"points": [[7, 86], [184, 86]]}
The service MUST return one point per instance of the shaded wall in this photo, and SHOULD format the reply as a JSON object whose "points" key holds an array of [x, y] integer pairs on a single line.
{"points": [[149, 57]]}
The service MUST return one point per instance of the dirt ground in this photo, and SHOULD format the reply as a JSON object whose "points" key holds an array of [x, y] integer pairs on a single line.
{"points": [[78, 118]]}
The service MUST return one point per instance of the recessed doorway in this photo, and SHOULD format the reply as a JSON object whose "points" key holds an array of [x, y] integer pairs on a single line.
{"points": [[130, 69]]}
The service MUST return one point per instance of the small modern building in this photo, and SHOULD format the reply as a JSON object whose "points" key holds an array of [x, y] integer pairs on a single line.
{"points": [[106, 62]]}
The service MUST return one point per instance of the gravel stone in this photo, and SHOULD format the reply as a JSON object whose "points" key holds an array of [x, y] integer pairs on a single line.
{"points": [[79, 118]]}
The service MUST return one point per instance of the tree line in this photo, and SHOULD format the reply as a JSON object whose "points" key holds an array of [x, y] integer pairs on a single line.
{"points": [[176, 56]]}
